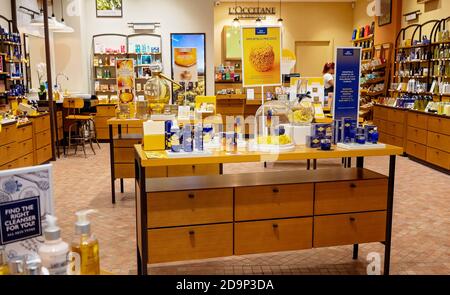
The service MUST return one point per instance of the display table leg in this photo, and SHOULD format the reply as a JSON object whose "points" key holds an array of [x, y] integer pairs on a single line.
{"points": [[141, 217], [390, 207], [111, 155], [121, 185], [355, 251]]}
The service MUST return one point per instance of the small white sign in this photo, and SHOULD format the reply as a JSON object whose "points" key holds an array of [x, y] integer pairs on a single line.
{"points": [[250, 94]]}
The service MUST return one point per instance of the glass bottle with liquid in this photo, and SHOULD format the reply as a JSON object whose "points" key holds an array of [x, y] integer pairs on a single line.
{"points": [[4, 268]]}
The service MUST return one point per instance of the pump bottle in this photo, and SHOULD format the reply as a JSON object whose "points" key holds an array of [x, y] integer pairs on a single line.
{"points": [[86, 244], [4, 268], [54, 251]]}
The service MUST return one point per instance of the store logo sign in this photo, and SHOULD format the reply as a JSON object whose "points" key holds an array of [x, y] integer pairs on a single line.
{"points": [[348, 52], [374, 8], [261, 31]]}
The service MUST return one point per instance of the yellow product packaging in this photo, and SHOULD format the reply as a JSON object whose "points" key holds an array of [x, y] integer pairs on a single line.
{"points": [[154, 136]]}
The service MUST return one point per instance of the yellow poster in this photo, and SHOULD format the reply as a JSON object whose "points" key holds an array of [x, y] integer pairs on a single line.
{"points": [[261, 56], [125, 80]]}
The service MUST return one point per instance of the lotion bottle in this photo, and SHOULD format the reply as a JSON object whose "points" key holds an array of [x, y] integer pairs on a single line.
{"points": [[86, 244], [4, 268], [54, 251]]}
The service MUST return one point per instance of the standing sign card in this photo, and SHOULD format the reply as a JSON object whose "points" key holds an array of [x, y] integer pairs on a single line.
{"points": [[25, 200], [125, 79], [347, 83], [261, 52]]}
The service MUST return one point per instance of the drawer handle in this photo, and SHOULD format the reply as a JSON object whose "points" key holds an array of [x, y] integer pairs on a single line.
{"points": [[191, 232], [191, 196], [352, 185], [275, 190], [352, 219], [193, 167], [275, 225]]}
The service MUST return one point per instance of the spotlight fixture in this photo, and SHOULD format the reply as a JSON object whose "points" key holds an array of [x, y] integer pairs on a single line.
{"points": [[280, 22], [236, 22]]}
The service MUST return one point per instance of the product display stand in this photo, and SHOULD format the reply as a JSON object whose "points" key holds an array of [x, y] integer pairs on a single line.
{"points": [[209, 232]]}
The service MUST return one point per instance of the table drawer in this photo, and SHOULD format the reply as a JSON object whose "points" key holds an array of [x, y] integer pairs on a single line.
{"points": [[124, 155], [396, 116], [103, 132], [126, 170], [187, 243], [193, 170], [393, 140], [348, 229], [43, 154], [106, 111], [26, 161], [126, 143], [135, 130], [189, 207], [8, 134], [438, 158], [416, 150], [24, 133], [156, 172], [273, 235], [417, 120], [10, 165], [417, 135], [439, 125], [24, 147], [380, 113], [43, 139], [396, 129], [350, 196], [381, 124], [439, 141], [8, 152], [101, 121], [267, 202], [41, 123]]}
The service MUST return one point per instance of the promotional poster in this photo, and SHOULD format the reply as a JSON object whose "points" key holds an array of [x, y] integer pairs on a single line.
{"points": [[125, 79], [261, 52]]}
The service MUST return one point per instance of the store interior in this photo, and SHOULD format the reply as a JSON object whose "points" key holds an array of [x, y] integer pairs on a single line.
{"points": [[199, 154]]}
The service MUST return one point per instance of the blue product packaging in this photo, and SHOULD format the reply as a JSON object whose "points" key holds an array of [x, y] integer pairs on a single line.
{"points": [[198, 137], [337, 131], [313, 142], [167, 129], [321, 130], [187, 138], [375, 136], [175, 141], [349, 130], [369, 129]]}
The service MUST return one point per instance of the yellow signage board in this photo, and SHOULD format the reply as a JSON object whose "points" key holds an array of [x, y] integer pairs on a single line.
{"points": [[261, 56]]}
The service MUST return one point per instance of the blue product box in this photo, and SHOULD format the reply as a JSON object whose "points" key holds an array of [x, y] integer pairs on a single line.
{"points": [[369, 130], [313, 142], [349, 130], [321, 130], [337, 131]]}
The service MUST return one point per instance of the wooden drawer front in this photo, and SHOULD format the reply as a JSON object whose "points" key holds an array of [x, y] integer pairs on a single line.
{"points": [[135, 130], [106, 111], [101, 121], [126, 143], [267, 202], [124, 170], [187, 243], [384, 137], [24, 147], [438, 158], [273, 235], [439, 125], [123, 155], [439, 141], [417, 135], [8, 153], [26, 161], [193, 170], [190, 207], [347, 229], [43, 154], [10, 165], [416, 150], [155, 172], [417, 120], [380, 113], [41, 123], [396, 116], [103, 133], [350, 196], [396, 129], [24, 133], [8, 134], [43, 139], [382, 125]]}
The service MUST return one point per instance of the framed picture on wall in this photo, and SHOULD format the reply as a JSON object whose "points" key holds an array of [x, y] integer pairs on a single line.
{"points": [[386, 13], [188, 62], [109, 8]]}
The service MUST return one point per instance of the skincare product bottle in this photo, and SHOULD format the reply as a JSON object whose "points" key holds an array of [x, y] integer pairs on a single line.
{"points": [[4, 268], [198, 137], [187, 138], [86, 244], [16, 266], [54, 251], [175, 142]]}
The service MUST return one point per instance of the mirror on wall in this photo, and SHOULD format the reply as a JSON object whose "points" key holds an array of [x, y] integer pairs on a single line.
{"points": [[34, 52]]}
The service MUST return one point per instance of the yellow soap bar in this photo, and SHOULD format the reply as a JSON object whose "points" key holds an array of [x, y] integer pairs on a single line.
{"points": [[154, 142]]}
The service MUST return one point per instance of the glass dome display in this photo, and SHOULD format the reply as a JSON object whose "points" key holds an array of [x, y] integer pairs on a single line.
{"points": [[303, 111], [273, 132], [157, 92]]}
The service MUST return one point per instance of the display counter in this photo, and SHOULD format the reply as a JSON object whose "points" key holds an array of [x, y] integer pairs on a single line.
{"points": [[222, 215], [424, 136]]}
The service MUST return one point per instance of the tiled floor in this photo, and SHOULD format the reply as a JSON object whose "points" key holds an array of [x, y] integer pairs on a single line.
{"points": [[421, 229]]}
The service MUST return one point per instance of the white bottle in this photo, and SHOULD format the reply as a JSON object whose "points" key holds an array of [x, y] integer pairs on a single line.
{"points": [[54, 251]]}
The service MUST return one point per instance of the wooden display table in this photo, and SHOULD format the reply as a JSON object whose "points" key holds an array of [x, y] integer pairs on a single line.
{"points": [[213, 216]]}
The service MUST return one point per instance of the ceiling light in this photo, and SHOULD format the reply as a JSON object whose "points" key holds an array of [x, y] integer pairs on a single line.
{"points": [[236, 22], [280, 22], [258, 22]]}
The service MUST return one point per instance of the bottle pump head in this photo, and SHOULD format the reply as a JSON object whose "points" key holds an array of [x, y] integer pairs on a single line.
{"points": [[83, 225], [52, 232]]}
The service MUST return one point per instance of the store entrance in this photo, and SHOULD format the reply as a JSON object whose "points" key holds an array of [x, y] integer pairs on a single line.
{"points": [[311, 56]]}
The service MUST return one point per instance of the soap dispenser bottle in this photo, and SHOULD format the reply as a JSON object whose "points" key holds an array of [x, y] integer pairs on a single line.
{"points": [[54, 251], [4, 268], [86, 244]]}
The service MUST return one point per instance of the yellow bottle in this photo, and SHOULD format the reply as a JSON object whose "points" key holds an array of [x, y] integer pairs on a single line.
{"points": [[4, 268], [86, 245]]}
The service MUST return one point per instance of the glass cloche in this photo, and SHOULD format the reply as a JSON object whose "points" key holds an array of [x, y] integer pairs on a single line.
{"points": [[303, 111], [273, 122], [157, 92]]}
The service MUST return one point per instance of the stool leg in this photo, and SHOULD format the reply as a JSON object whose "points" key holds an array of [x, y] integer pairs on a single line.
{"points": [[92, 147], [95, 134]]}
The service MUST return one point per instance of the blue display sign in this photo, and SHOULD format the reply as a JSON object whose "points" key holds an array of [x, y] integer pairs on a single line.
{"points": [[20, 220], [261, 31], [347, 83]]}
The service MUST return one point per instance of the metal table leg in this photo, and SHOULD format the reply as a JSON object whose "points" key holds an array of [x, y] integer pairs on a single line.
{"points": [[359, 164], [390, 207], [141, 203], [111, 155]]}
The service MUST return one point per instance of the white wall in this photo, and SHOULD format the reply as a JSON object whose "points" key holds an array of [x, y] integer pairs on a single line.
{"points": [[5, 10], [74, 51]]}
